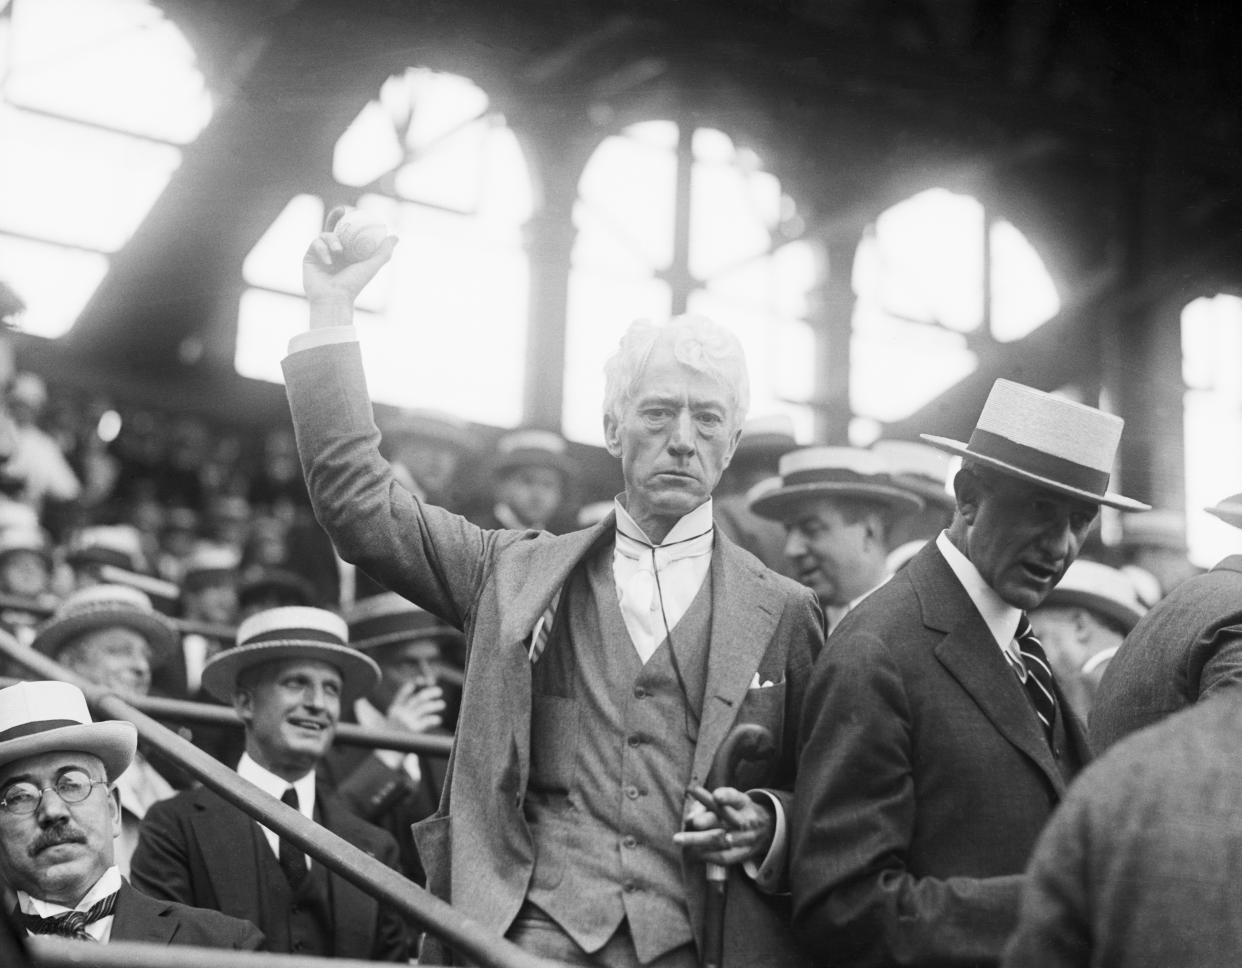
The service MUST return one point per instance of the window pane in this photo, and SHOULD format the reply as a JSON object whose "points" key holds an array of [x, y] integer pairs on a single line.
{"points": [[53, 281]]}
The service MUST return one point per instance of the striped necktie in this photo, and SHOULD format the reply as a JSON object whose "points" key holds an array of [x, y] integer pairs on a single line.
{"points": [[1035, 674], [73, 924]]}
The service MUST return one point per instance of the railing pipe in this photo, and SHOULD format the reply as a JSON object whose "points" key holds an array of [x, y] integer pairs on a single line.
{"points": [[53, 952], [375, 878]]}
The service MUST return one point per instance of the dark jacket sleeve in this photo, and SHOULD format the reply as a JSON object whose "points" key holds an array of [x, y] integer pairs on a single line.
{"points": [[855, 900], [160, 866]]}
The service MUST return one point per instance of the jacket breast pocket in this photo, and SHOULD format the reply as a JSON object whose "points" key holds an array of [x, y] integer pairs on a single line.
{"points": [[553, 745], [764, 706]]}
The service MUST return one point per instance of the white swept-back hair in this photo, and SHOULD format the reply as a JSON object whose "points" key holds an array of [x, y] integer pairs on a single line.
{"points": [[696, 342]]}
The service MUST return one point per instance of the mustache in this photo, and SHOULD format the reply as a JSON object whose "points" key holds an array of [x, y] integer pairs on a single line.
{"points": [[54, 836]]}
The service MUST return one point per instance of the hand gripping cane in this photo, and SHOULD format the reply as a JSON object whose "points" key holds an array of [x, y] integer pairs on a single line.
{"points": [[746, 742]]}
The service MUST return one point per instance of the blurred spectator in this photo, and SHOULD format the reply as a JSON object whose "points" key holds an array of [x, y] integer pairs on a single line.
{"points": [[1080, 625], [178, 538], [263, 588], [426, 448], [925, 472], [1155, 542], [228, 521], [112, 636], [266, 543], [25, 574], [532, 474], [277, 487], [113, 554], [764, 441], [37, 459], [209, 601]]}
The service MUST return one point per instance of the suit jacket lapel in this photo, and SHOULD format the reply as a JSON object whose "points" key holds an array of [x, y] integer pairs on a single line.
{"points": [[972, 657], [140, 918], [224, 831], [353, 910], [742, 624]]}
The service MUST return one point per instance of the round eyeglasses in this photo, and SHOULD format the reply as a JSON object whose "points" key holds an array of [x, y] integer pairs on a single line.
{"points": [[23, 797]]}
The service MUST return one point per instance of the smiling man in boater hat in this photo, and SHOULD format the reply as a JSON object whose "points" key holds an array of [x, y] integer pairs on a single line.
{"points": [[287, 677], [942, 743], [59, 818]]}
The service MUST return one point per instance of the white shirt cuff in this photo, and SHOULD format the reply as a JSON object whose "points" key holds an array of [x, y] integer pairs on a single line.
{"points": [[770, 875], [322, 336]]}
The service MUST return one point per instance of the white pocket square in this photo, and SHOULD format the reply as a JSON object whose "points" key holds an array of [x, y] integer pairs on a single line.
{"points": [[755, 683]]}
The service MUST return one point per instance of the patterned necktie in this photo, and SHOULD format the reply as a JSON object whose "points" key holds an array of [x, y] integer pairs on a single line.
{"points": [[1035, 675], [73, 924], [292, 860]]}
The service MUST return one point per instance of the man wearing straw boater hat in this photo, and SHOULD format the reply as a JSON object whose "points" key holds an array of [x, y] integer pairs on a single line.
{"points": [[59, 817], [111, 635], [287, 677], [532, 473], [837, 505], [1186, 649], [940, 743], [607, 667]]}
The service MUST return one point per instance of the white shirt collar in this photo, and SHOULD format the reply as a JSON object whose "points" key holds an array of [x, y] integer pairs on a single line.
{"points": [[834, 613], [270, 783], [689, 525], [109, 883], [1000, 617]]}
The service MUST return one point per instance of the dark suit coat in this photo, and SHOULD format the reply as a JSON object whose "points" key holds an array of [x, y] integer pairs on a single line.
{"points": [[494, 585], [139, 917], [1187, 647], [923, 783], [1140, 866], [198, 849]]}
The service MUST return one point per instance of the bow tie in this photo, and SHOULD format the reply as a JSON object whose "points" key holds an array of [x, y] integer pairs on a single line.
{"points": [[71, 924]]}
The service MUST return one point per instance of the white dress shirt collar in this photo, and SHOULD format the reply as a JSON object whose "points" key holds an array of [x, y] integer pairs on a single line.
{"points": [[1000, 617], [275, 786], [109, 883], [690, 525]]}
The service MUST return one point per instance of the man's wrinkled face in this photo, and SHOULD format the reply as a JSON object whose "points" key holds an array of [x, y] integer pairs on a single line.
{"points": [[117, 658], [290, 708], [532, 493], [59, 851], [1021, 537], [675, 437], [832, 555]]}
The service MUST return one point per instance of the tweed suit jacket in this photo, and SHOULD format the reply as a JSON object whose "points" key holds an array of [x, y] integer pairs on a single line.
{"points": [[1186, 648], [495, 585], [1140, 866], [924, 780], [199, 849]]}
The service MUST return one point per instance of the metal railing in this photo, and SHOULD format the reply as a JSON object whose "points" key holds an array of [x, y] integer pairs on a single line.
{"points": [[463, 934]]}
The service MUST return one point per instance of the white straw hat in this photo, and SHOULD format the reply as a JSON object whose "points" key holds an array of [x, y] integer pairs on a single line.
{"points": [[51, 717], [815, 473], [1102, 589], [1229, 510], [292, 632], [1048, 440]]}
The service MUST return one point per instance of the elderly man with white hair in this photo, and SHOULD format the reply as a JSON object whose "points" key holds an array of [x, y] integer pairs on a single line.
{"points": [[606, 666]]}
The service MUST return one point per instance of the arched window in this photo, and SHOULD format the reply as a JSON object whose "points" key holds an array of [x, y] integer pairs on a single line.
{"points": [[1212, 370], [444, 324], [672, 219], [934, 276], [96, 101]]}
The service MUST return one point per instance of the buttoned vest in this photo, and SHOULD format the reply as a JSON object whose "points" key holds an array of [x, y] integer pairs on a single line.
{"points": [[295, 922], [612, 747]]}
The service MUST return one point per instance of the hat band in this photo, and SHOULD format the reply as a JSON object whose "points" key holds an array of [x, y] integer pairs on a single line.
{"points": [[832, 475], [288, 634], [1038, 462], [38, 726]]}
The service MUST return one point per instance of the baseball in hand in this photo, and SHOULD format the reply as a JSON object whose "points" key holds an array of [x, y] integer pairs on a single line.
{"points": [[361, 234]]}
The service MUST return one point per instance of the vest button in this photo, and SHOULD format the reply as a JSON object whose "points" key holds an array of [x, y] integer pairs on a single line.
{"points": [[629, 842], [631, 792], [630, 887], [640, 692], [1056, 752], [634, 741]]}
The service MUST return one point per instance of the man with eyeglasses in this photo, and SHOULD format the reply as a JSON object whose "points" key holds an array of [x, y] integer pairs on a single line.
{"points": [[59, 815]]}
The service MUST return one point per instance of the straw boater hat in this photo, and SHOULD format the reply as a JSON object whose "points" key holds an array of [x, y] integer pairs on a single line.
{"points": [[51, 717], [387, 618], [29, 540], [210, 565], [920, 468], [107, 606], [291, 632], [1159, 528], [1099, 588], [1048, 440], [533, 448], [1229, 510], [814, 473]]}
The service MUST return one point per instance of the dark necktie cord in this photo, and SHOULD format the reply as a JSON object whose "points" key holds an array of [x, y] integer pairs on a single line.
{"points": [[292, 860], [72, 924]]}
